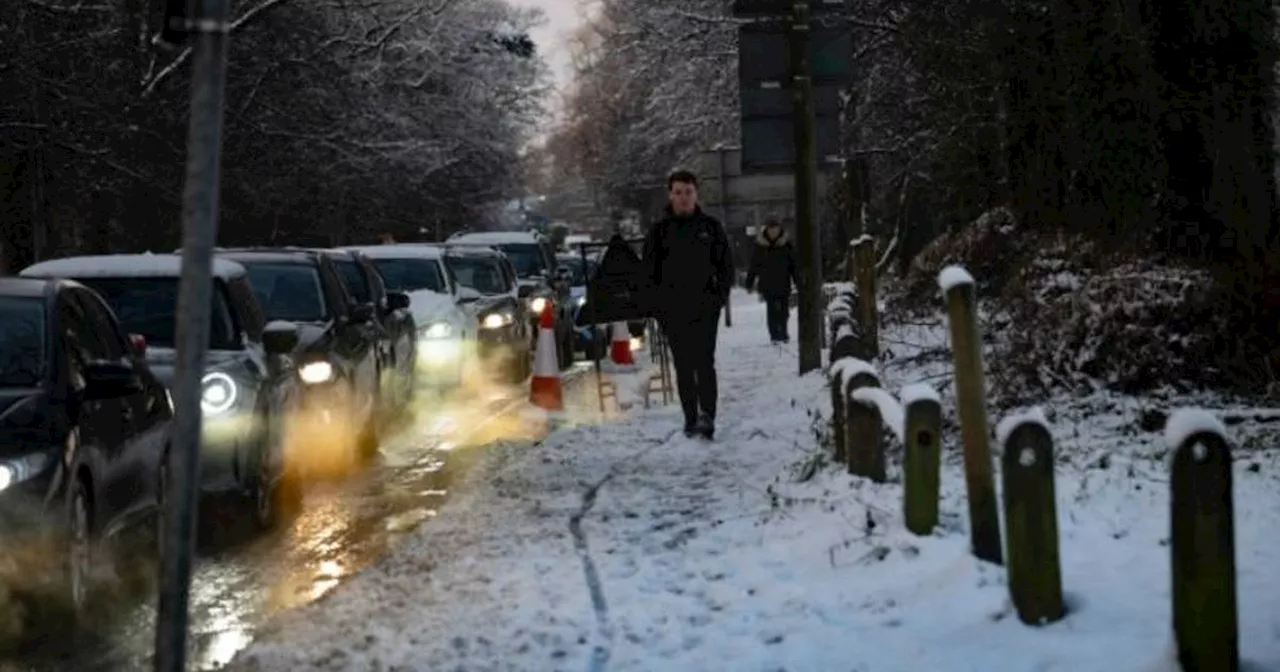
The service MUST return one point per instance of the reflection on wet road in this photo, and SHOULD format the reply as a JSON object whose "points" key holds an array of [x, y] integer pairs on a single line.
{"points": [[240, 580]]}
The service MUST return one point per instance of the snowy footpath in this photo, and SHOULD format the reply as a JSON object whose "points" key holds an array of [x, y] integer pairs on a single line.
{"points": [[625, 546]]}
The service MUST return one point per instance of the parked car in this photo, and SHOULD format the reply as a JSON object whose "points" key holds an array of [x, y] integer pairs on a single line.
{"points": [[588, 339], [396, 329], [336, 354], [534, 259], [443, 311], [502, 315], [250, 386], [84, 427]]}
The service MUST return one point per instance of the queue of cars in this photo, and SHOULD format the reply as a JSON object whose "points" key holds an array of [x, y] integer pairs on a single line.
{"points": [[340, 337]]}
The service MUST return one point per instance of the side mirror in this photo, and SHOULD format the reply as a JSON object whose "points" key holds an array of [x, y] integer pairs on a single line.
{"points": [[468, 295], [361, 314], [280, 337], [397, 301], [109, 380], [138, 344]]}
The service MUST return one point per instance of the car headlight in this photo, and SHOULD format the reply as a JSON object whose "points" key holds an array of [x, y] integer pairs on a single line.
{"points": [[496, 320], [581, 301], [437, 330], [315, 373], [16, 470], [218, 393], [538, 304]]}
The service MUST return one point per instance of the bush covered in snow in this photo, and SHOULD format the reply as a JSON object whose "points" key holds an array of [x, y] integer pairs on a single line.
{"points": [[1063, 313]]}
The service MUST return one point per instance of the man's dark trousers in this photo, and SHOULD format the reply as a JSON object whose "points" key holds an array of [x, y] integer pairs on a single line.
{"points": [[693, 349], [777, 310]]}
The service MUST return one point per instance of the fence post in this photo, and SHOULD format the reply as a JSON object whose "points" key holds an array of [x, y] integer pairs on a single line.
{"points": [[921, 465], [1205, 617], [837, 412], [863, 435], [1031, 519], [962, 310], [864, 251]]}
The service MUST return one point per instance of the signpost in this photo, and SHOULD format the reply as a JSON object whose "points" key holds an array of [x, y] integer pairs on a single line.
{"points": [[782, 55], [207, 20]]}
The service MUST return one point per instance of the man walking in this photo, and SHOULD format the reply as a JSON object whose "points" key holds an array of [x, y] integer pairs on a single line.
{"points": [[774, 264], [687, 254]]}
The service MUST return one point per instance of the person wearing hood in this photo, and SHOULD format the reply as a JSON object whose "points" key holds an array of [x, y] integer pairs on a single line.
{"points": [[691, 270], [773, 264]]}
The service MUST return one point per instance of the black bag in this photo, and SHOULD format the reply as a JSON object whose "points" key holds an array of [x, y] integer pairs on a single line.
{"points": [[619, 291]]}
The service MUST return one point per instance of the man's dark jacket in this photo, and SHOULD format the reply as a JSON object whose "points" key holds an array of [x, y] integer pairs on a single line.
{"points": [[773, 263], [690, 264]]}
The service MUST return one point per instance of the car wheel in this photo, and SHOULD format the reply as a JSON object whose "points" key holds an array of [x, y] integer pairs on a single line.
{"points": [[81, 551]]}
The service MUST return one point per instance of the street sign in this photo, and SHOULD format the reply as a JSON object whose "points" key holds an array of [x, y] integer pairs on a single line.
{"points": [[768, 143], [747, 9], [764, 52]]}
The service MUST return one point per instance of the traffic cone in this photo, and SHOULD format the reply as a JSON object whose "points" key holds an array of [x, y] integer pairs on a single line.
{"points": [[545, 389], [620, 351]]}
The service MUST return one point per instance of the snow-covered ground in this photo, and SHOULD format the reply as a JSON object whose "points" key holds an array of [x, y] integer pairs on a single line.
{"points": [[623, 546]]}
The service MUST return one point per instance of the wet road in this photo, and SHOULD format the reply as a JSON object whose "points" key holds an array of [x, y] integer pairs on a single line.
{"points": [[241, 580]]}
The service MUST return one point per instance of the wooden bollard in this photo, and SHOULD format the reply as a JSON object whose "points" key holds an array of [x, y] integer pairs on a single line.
{"points": [[1031, 518], [837, 412], [864, 447], [1202, 518], [864, 251], [984, 518], [922, 459]]}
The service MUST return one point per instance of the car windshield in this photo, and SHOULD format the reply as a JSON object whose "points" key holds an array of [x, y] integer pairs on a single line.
{"points": [[149, 307], [411, 275], [353, 279], [526, 258], [289, 292], [478, 273], [22, 351]]}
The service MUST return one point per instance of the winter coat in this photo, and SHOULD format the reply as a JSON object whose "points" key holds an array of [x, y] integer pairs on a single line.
{"points": [[690, 265], [774, 264]]}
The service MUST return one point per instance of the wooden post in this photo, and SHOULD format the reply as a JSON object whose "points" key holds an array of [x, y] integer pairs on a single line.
{"points": [[863, 431], [837, 413], [864, 250], [1205, 617], [1031, 521], [922, 461], [984, 518]]}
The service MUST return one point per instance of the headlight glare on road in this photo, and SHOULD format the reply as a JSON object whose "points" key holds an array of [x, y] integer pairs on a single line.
{"points": [[437, 330], [538, 304], [218, 393], [496, 320], [315, 373]]}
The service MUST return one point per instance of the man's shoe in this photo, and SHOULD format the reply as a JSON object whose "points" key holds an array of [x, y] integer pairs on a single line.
{"points": [[706, 427], [690, 430]]}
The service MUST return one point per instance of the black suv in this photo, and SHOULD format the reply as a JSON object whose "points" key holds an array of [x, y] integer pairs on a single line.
{"points": [[503, 316], [397, 333], [84, 429], [534, 260], [336, 356], [250, 387]]}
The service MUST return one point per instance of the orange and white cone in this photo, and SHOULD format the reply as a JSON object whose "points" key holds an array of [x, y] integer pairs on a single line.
{"points": [[620, 349], [545, 391]]}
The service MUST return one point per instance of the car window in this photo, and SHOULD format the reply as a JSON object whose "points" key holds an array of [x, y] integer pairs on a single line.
{"points": [[411, 275], [289, 292], [507, 271], [23, 359], [107, 339], [376, 286], [577, 276], [149, 307], [528, 259], [353, 279], [244, 304], [479, 273]]}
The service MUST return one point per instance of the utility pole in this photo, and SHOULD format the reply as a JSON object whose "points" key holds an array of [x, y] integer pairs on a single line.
{"points": [[806, 168], [210, 27]]}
